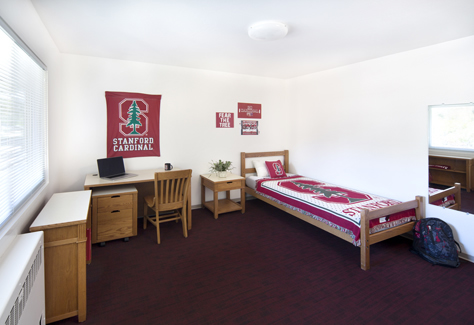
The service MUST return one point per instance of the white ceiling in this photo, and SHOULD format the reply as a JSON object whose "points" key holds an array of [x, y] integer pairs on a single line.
{"points": [[212, 34]]}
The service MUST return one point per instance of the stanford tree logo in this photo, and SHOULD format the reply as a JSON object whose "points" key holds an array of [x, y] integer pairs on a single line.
{"points": [[133, 117], [131, 114], [277, 169], [326, 193]]}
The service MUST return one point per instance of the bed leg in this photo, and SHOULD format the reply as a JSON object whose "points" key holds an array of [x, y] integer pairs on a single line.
{"points": [[364, 241]]}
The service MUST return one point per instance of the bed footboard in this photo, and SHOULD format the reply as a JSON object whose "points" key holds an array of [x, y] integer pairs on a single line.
{"points": [[367, 239], [455, 191]]}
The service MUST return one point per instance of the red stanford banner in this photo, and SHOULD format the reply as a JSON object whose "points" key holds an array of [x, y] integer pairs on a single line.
{"points": [[133, 124]]}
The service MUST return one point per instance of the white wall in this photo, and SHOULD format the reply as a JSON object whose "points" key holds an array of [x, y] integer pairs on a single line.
{"points": [[190, 100], [21, 16], [366, 125]]}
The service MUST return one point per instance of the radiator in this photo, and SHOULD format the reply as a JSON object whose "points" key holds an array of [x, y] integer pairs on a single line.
{"points": [[22, 295]]}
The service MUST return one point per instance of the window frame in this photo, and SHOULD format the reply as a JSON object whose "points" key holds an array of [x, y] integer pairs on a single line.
{"points": [[39, 109], [430, 128]]}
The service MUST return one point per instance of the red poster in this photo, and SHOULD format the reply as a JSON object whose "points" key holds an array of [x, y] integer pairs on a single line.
{"points": [[249, 128], [247, 110], [224, 120], [133, 124]]}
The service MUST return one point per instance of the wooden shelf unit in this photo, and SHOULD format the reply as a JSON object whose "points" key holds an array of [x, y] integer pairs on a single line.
{"points": [[63, 221], [460, 171]]}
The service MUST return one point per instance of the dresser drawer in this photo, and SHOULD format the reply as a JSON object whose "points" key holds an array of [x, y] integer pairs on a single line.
{"points": [[114, 202], [114, 224]]}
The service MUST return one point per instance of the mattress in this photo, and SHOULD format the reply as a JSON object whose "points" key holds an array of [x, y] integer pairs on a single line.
{"points": [[331, 204]]}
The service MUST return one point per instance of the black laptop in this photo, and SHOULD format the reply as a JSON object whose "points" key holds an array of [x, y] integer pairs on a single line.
{"points": [[112, 168]]}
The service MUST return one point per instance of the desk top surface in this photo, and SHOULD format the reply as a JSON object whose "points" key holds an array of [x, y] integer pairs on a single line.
{"points": [[68, 208], [147, 175]]}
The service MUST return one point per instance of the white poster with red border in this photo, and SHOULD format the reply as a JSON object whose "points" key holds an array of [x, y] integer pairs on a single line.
{"points": [[249, 127]]}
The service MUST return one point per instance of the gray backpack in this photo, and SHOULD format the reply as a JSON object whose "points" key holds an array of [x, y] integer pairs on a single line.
{"points": [[433, 240]]}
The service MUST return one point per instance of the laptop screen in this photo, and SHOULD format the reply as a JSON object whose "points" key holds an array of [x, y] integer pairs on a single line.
{"points": [[109, 167]]}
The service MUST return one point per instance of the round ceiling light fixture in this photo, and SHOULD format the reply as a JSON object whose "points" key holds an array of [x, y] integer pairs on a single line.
{"points": [[268, 31]]}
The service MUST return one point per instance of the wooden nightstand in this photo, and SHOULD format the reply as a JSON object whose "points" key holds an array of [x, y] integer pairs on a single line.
{"points": [[219, 184]]}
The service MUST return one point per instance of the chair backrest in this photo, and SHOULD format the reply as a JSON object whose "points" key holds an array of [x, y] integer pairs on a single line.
{"points": [[171, 189]]}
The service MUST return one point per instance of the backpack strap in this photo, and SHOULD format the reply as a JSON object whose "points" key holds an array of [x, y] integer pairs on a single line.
{"points": [[460, 250]]}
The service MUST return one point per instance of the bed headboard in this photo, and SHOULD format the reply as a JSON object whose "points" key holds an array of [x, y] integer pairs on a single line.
{"points": [[244, 170]]}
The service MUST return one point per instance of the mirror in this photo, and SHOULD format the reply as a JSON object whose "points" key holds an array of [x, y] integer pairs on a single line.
{"points": [[451, 156], [449, 178]]}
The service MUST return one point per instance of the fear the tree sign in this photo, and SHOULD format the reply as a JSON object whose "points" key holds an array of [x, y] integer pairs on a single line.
{"points": [[133, 124]]}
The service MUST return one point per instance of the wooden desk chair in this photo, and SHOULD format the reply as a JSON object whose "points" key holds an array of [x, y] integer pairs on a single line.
{"points": [[169, 201]]}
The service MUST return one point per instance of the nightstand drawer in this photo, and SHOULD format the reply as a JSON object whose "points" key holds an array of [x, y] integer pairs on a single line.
{"points": [[230, 185], [115, 202]]}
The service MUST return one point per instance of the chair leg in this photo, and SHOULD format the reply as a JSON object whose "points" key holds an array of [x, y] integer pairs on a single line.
{"points": [[184, 223], [145, 214], [158, 239]]}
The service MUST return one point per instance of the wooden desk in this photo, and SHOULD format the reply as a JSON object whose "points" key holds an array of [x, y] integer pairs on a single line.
{"points": [[144, 182], [219, 184], [63, 221]]}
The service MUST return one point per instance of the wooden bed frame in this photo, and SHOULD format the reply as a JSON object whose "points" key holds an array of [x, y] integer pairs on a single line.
{"points": [[454, 190], [366, 239]]}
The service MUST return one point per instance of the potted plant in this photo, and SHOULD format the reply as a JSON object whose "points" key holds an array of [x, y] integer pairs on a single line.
{"points": [[220, 167]]}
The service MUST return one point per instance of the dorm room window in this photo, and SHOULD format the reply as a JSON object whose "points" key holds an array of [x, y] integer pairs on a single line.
{"points": [[452, 127], [23, 111]]}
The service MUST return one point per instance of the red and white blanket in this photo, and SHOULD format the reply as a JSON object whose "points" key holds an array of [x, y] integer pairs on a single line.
{"points": [[336, 206], [444, 202]]}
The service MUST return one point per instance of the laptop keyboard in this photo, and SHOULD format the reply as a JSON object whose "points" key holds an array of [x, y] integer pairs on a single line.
{"points": [[121, 177]]}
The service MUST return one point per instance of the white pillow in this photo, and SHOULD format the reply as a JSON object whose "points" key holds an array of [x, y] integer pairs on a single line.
{"points": [[261, 168]]}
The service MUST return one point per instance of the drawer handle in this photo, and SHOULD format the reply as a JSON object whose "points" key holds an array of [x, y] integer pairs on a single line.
{"points": [[114, 196], [115, 211], [229, 182]]}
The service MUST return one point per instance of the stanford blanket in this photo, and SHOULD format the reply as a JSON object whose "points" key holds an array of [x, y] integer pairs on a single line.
{"points": [[444, 202], [336, 206]]}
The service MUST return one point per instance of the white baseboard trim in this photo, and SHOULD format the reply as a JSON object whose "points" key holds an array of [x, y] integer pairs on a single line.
{"points": [[464, 256], [199, 206]]}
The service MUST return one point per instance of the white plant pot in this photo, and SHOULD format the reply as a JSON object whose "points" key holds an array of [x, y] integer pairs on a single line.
{"points": [[222, 174]]}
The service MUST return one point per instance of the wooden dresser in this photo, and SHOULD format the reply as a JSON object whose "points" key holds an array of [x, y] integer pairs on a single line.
{"points": [[63, 221], [114, 213]]}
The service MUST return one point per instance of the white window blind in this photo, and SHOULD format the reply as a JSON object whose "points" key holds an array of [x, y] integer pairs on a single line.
{"points": [[23, 128]]}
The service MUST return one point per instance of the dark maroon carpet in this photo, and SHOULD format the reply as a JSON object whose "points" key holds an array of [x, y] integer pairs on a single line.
{"points": [[268, 267]]}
